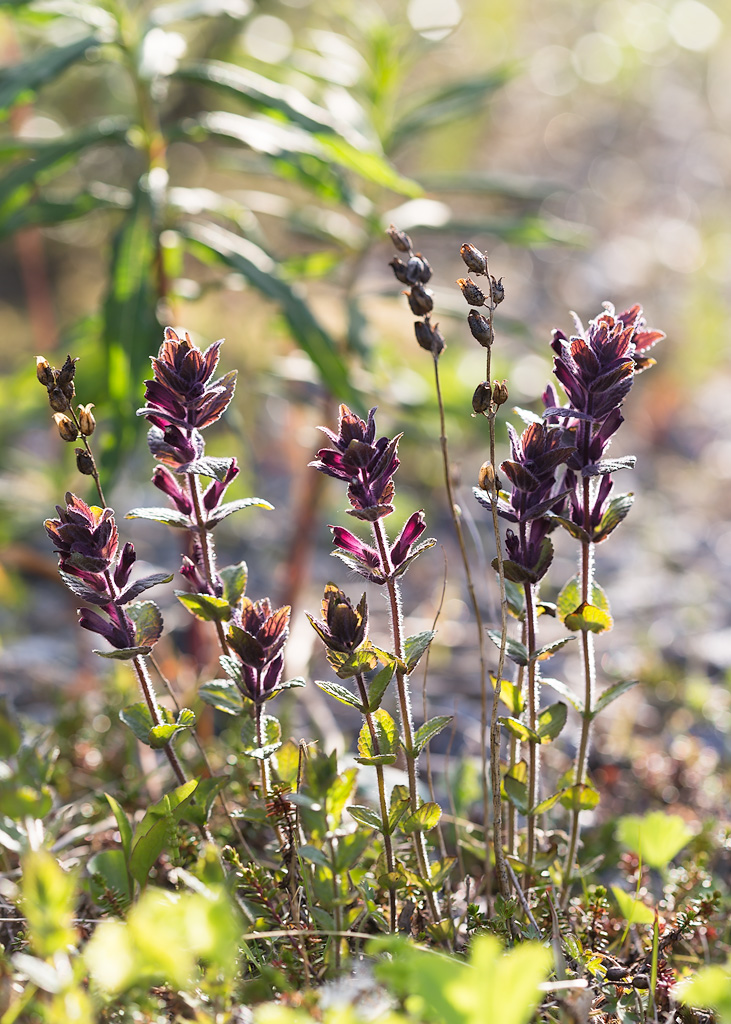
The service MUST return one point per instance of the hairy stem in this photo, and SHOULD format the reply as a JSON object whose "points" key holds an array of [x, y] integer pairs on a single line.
{"points": [[533, 698], [143, 677], [208, 549]]}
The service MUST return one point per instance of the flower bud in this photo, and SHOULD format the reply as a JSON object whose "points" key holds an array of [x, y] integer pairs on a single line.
{"points": [[473, 258], [84, 462], [482, 398], [399, 238], [66, 427], [44, 372], [499, 392], [429, 336], [473, 295], [497, 291], [486, 478], [58, 400], [87, 423], [481, 328], [420, 300]]}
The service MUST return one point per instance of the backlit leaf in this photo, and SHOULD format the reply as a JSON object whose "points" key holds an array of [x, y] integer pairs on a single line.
{"points": [[224, 695]]}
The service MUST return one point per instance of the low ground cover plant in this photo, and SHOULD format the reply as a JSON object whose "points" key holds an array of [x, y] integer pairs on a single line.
{"points": [[254, 878]]}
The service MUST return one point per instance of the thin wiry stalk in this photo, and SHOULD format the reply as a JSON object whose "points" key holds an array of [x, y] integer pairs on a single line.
{"points": [[95, 472], [143, 677]]}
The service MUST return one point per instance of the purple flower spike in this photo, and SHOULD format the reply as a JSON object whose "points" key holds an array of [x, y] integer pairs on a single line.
{"points": [[85, 537], [415, 526], [367, 465], [344, 627], [258, 643], [216, 490], [164, 480]]}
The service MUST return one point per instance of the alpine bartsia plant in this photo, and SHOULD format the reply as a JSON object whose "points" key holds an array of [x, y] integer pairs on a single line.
{"points": [[368, 465]]}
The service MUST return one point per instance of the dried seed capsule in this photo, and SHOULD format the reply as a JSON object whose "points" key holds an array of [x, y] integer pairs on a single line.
{"points": [[418, 270], [67, 372], [499, 392], [473, 258], [44, 372], [429, 336], [482, 397], [58, 400], [472, 293], [66, 427], [399, 238], [486, 477], [420, 300], [84, 462], [497, 291], [640, 981], [616, 973], [481, 328], [399, 269], [87, 423]]}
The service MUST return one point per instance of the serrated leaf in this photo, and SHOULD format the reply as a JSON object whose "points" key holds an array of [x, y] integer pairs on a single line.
{"points": [[583, 797], [147, 620], [169, 516], [141, 585], [548, 650], [514, 650], [514, 572], [551, 721], [570, 598], [588, 618], [83, 590], [224, 695], [206, 465], [511, 696], [425, 545], [605, 466], [428, 731], [520, 730], [271, 737], [223, 511], [632, 910], [576, 531], [205, 607], [340, 693], [611, 693], [564, 691], [378, 685], [423, 819], [415, 647], [161, 735], [125, 653], [398, 806], [137, 717], [295, 683], [365, 816], [386, 737], [18, 80], [365, 659], [615, 512], [234, 578]]}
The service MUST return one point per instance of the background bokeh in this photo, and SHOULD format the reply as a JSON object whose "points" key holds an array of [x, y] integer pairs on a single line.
{"points": [[584, 145]]}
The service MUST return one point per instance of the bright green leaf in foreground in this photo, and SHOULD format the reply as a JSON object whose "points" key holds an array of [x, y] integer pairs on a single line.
{"points": [[656, 837], [632, 910], [711, 989]]}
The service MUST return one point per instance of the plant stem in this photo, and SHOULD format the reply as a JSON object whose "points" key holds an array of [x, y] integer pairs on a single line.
{"points": [[533, 698], [263, 761], [208, 550], [388, 846], [143, 677], [95, 473]]}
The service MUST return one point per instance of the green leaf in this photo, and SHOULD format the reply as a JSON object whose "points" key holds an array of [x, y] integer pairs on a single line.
{"points": [[213, 243], [108, 874], [583, 797], [19, 80], [588, 617], [611, 693], [125, 829], [169, 516], [569, 603], [547, 804], [656, 838], [161, 735], [207, 465], [516, 792], [44, 212], [710, 988], [349, 850], [234, 578], [510, 695], [514, 572], [125, 653], [223, 511], [137, 717], [415, 647], [378, 686], [224, 695], [516, 651], [565, 691], [206, 792], [615, 512], [520, 730], [515, 598], [271, 738], [548, 650], [147, 620], [368, 164], [365, 816], [386, 740], [340, 693], [48, 901], [423, 819], [19, 800], [551, 721], [632, 910], [365, 659], [428, 730], [205, 607], [398, 806], [148, 848]]}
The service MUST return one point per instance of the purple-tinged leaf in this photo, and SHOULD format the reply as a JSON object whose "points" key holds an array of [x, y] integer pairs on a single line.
{"points": [[418, 550], [576, 531], [147, 620], [140, 586], [234, 506], [615, 512], [372, 575], [83, 590], [566, 412], [168, 516], [609, 466], [349, 664], [526, 415], [516, 651], [208, 466]]}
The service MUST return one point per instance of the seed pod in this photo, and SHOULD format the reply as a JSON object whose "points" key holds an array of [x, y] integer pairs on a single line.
{"points": [[87, 423], [399, 269], [472, 293], [481, 328], [640, 981], [420, 300], [473, 258], [482, 398], [499, 392], [497, 291], [67, 372], [66, 427], [44, 372], [418, 270], [616, 973], [58, 400], [429, 336], [399, 238], [84, 462], [486, 477]]}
